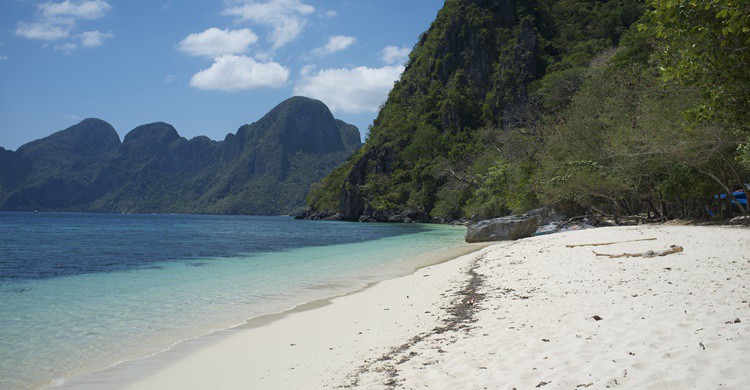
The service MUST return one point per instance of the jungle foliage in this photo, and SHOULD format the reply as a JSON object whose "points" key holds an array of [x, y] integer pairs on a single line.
{"points": [[618, 107]]}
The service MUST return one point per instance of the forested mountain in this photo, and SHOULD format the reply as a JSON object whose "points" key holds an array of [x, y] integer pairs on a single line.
{"points": [[265, 168], [605, 105]]}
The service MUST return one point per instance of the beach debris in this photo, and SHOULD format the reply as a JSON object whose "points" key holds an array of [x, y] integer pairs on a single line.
{"points": [[609, 243], [736, 321], [742, 220], [702, 346], [585, 385], [647, 254], [460, 315], [542, 383], [597, 318]]}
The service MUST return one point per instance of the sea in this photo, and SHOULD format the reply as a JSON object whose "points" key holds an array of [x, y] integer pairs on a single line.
{"points": [[80, 293]]}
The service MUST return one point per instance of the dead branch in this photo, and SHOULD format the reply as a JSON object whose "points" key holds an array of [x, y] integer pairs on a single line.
{"points": [[610, 243], [648, 254]]}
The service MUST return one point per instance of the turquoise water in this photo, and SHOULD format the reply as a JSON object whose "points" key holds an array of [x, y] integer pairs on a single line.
{"points": [[83, 292]]}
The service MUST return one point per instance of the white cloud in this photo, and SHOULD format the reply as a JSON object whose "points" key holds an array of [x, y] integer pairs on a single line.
{"points": [[3, 58], [94, 38], [215, 42], [66, 47], [43, 31], [395, 55], [330, 14], [285, 17], [170, 78], [350, 90], [335, 43], [58, 21], [89, 9], [235, 73]]}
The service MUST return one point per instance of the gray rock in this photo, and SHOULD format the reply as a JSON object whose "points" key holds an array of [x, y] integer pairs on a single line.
{"points": [[550, 228], [503, 229], [546, 215]]}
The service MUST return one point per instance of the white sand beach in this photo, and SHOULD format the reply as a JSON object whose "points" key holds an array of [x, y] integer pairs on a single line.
{"points": [[526, 314]]}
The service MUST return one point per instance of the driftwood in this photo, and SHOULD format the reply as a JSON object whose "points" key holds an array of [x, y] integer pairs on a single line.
{"points": [[609, 243], [648, 254]]}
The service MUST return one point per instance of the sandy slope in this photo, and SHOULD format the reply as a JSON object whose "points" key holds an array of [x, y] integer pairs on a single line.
{"points": [[514, 314], [664, 320]]}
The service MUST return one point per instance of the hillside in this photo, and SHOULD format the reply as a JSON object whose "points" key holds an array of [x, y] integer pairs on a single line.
{"points": [[264, 168], [506, 105]]}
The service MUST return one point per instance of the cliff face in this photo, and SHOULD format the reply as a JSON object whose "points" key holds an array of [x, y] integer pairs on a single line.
{"points": [[266, 168], [471, 68], [470, 77]]}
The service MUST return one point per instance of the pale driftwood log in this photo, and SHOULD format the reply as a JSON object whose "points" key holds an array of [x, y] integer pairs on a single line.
{"points": [[610, 243], [648, 254]]}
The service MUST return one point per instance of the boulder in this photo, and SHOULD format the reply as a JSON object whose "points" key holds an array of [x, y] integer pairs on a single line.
{"points": [[546, 215], [503, 229]]}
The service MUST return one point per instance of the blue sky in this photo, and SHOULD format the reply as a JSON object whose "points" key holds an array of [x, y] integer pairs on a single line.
{"points": [[206, 67]]}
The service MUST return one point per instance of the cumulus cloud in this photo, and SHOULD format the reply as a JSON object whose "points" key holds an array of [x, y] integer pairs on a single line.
{"points": [[215, 42], [286, 18], [90, 9], [43, 31], [236, 73], [58, 21], [395, 55], [350, 90], [335, 43], [67, 47], [94, 38]]}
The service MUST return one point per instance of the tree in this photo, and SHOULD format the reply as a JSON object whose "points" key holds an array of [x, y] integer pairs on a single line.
{"points": [[706, 44]]}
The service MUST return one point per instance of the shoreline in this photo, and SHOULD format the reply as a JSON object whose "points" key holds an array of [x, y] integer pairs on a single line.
{"points": [[115, 375], [520, 313]]}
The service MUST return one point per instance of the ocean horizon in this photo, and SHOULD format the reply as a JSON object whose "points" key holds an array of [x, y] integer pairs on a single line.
{"points": [[80, 292]]}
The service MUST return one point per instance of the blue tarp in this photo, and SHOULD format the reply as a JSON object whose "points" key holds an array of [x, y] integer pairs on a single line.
{"points": [[740, 195]]}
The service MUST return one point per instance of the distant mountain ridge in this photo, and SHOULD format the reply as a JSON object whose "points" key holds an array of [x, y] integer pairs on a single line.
{"points": [[264, 168]]}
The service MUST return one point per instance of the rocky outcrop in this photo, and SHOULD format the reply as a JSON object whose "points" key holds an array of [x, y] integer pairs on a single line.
{"points": [[302, 125], [318, 215], [88, 140], [503, 229], [349, 135]]}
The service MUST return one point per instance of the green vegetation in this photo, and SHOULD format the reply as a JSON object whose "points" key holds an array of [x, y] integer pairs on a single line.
{"points": [[265, 168], [614, 106]]}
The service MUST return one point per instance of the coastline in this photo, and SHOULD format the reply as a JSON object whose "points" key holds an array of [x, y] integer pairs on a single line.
{"points": [[517, 313], [121, 373]]}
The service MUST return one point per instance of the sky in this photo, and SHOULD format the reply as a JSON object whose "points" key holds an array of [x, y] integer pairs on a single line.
{"points": [[206, 67]]}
